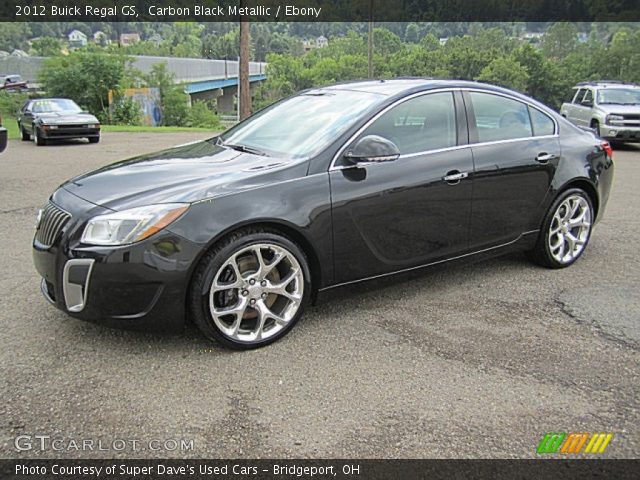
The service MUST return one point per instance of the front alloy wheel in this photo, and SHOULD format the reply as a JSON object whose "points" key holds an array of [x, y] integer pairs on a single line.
{"points": [[256, 293], [251, 289]]}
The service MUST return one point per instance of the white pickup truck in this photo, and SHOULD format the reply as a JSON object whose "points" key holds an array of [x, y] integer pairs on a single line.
{"points": [[610, 108]]}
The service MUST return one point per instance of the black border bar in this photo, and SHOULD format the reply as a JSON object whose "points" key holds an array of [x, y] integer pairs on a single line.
{"points": [[321, 10], [339, 469]]}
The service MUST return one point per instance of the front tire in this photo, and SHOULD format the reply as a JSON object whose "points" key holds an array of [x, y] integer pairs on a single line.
{"points": [[565, 231], [37, 138], [595, 124], [250, 289]]}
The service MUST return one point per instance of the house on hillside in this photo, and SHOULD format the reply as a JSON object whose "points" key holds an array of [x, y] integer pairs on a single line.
{"points": [[101, 38], [319, 42], [322, 41], [129, 39], [77, 39]]}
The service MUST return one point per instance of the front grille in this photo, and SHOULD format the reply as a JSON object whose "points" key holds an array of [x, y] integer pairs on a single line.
{"points": [[632, 117], [52, 220]]}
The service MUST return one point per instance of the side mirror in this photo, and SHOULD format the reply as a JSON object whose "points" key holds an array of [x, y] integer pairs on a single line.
{"points": [[372, 148], [587, 103]]}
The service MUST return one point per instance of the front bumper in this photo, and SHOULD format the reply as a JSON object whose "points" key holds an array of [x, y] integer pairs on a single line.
{"points": [[68, 132], [141, 286], [620, 133]]}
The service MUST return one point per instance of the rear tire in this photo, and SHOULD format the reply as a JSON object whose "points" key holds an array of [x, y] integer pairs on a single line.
{"points": [[250, 289], [565, 231], [94, 139], [26, 137]]}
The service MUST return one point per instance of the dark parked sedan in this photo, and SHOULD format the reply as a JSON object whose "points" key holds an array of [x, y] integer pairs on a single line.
{"points": [[329, 187], [45, 119]]}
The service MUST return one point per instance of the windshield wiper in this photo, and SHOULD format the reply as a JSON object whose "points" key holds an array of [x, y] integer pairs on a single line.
{"points": [[245, 149]]}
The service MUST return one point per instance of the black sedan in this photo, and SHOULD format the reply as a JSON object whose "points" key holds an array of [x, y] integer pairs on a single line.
{"points": [[333, 186], [45, 119]]}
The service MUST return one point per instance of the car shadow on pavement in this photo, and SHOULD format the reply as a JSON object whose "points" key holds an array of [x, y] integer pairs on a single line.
{"points": [[342, 299]]}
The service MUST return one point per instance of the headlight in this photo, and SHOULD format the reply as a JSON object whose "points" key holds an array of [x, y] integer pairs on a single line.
{"points": [[614, 118], [129, 226]]}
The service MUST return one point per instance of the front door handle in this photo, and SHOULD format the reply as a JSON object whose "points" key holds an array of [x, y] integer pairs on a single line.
{"points": [[545, 157], [453, 177]]}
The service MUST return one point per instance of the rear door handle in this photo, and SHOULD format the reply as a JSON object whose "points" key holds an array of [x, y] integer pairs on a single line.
{"points": [[545, 157], [454, 177]]}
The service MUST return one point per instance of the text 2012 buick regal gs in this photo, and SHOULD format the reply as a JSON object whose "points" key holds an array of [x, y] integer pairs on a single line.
{"points": [[328, 187]]}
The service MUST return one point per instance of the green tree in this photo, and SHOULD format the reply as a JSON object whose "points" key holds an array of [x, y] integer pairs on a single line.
{"points": [[559, 40], [411, 33], [86, 77], [507, 72], [174, 101], [46, 46], [14, 35]]}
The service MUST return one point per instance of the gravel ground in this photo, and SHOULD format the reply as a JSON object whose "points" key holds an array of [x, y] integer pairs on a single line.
{"points": [[468, 361]]}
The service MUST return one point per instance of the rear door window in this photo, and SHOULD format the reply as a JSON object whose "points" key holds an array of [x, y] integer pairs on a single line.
{"points": [[542, 123], [500, 118]]}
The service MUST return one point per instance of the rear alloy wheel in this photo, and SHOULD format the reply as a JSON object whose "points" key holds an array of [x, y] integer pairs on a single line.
{"points": [[37, 139], [251, 290], [566, 230]]}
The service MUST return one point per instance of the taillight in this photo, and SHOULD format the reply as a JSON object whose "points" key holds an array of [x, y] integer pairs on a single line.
{"points": [[606, 146]]}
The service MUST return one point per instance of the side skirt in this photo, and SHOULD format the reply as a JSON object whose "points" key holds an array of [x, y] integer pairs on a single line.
{"points": [[524, 242]]}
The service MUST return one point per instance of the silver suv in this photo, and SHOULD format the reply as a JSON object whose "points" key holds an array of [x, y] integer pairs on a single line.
{"points": [[610, 108]]}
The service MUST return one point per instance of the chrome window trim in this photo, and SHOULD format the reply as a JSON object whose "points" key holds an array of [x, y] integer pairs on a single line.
{"points": [[74, 301], [333, 166]]}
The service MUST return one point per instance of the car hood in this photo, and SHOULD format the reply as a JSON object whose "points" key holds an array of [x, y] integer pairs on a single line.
{"points": [[54, 118], [187, 173], [620, 109]]}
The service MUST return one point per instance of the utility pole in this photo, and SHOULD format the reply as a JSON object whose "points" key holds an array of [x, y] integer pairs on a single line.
{"points": [[370, 42], [244, 94]]}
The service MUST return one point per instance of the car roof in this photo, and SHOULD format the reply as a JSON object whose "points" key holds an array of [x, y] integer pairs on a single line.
{"points": [[49, 98], [405, 85], [607, 84]]}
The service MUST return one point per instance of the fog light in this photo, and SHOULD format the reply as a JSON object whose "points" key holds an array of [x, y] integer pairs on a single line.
{"points": [[613, 132]]}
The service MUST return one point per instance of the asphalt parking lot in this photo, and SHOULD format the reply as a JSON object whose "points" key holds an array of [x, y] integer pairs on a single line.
{"points": [[469, 361]]}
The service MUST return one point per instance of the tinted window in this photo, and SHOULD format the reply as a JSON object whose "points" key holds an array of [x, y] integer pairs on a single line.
{"points": [[588, 96], [619, 96], [579, 95], [303, 125], [500, 118], [542, 123], [572, 95], [423, 123], [54, 105]]}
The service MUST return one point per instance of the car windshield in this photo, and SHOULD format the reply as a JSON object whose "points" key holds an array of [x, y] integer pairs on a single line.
{"points": [[300, 126], [619, 96], [55, 105]]}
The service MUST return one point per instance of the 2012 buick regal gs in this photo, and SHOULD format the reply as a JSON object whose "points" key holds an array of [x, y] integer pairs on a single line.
{"points": [[328, 187]]}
